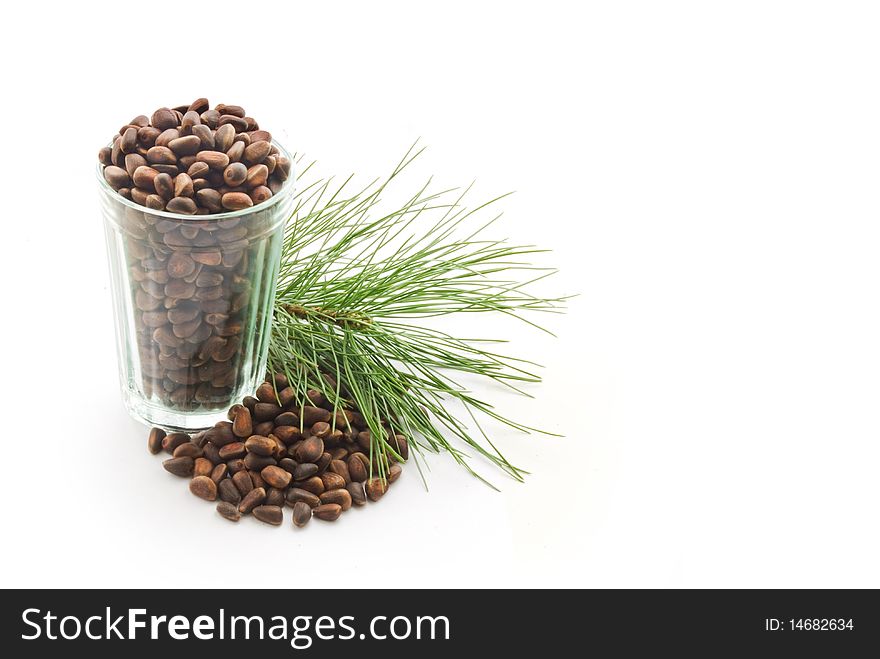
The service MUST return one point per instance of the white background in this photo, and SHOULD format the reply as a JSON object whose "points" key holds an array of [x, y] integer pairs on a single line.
{"points": [[707, 176]]}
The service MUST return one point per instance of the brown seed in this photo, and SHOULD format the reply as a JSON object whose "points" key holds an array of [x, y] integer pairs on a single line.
{"points": [[208, 279], [276, 477], [232, 451], [133, 161], [171, 170], [304, 471], [257, 175], [282, 168], [394, 472], [205, 136], [262, 449], [210, 199], [287, 397], [187, 145], [199, 105], [302, 513], [242, 426], [251, 500], [274, 497], [314, 485], [332, 481], [288, 464], [161, 155], [216, 160], [238, 123], [236, 151], [235, 201], [339, 453], [269, 514], [218, 472], [236, 466], [212, 453], [117, 158], [181, 265], [321, 429], [181, 205], [279, 448], [256, 152], [288, 434], [310, 450], [143, 178], [210, 118], [209, 258], [188, 449], [364, 439], [260, 194], [235, 174], [260, 446], [356, 469], [164, 185], [202, 467], [164, 118], [221, 434], [312, 415], [147, 136], [198, 170], [296, 494], [227, 491], [266, 393], [180, 289], [243, 482], [164, 138], [257, 479], [154, 440], [204, 488], [104, 155], [256, 463], [341, 468], [183, 187], [287, 419], [266, 411], [342, 497], [128, 143], [329, 512], [358, 496], [223, 138], [179, 466], [323, 462], [190, 119], [229, 510], [375, 488], [234, 110], [154, 202], [173, 440], [399, 444], [118, 177], [261, 135]]}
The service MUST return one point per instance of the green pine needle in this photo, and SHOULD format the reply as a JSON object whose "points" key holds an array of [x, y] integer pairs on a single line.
{"points": [[354, 280]]}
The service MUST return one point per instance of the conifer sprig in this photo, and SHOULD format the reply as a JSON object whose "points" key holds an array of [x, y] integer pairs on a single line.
{"points": [[355, 280]]}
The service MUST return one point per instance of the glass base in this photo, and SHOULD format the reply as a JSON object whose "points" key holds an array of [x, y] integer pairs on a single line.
{"points": [[161, 417]]}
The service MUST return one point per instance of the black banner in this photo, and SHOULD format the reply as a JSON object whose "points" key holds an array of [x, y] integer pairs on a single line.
{"points": [[290, 623]]}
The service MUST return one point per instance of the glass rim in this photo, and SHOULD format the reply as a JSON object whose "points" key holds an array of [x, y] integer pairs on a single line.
{"points": [[271, 201]]}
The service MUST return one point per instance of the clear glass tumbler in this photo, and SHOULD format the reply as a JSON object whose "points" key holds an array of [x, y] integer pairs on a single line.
{"points": [[192, 299]]}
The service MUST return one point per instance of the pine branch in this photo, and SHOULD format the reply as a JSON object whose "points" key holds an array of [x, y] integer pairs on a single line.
{"points": [[353, 275]]}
